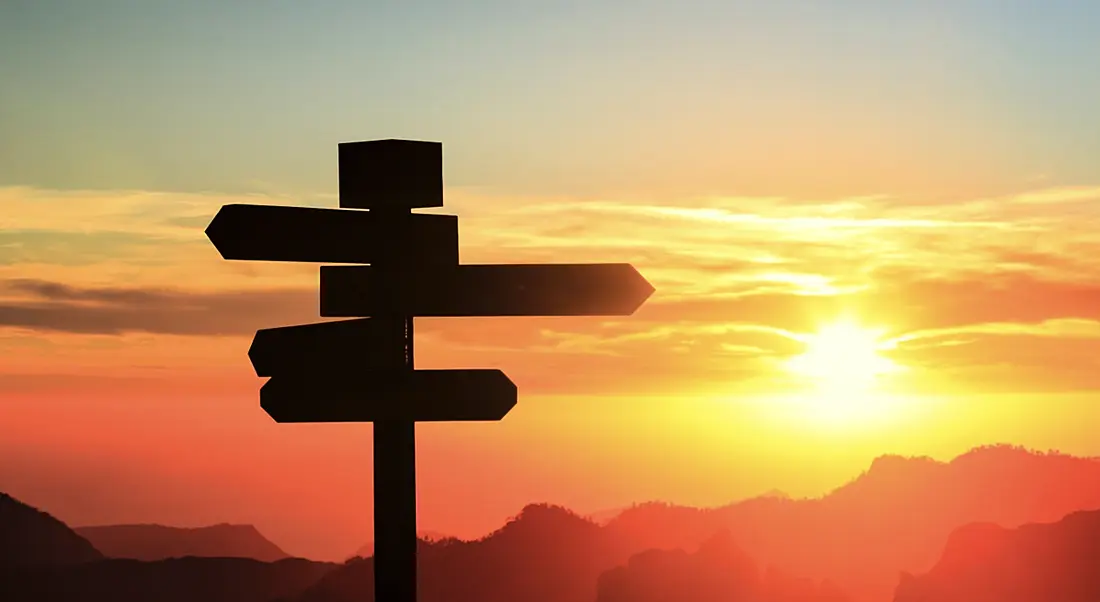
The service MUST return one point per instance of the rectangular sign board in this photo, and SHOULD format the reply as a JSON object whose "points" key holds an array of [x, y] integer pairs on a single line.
{"points": [[309, 234], [325, 347], [391, 174], [608, 289], [399, 395]]}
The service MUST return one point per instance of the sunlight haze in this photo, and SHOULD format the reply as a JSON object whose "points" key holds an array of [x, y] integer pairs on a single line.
{"points": [[872, 227]]}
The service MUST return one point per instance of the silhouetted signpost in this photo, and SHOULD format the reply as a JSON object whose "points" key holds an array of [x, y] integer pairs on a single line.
{"points": [[361, 370]]}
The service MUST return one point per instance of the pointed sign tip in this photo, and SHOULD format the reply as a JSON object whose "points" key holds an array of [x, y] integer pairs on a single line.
{"points": [[212, 225], [215, 229], [645, 289], [254, 351]]}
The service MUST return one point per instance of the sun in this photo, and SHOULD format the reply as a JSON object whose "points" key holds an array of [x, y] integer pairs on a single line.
{"points": [[843, 356], [843, 368]]}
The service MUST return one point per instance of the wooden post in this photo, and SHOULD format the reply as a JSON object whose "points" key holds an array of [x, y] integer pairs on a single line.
{"points": [[395, 540]]}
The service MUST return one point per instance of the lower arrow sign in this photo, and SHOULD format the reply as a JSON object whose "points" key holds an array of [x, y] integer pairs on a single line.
{"points": [[377, 396]]}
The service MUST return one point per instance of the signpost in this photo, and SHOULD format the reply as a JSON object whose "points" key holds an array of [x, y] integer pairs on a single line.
{"points": [[362, 370]]}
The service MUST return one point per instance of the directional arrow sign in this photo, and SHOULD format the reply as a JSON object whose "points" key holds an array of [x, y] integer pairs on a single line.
{"points": [[609, 289], [338, 346], [309, 234], [401, 395]]}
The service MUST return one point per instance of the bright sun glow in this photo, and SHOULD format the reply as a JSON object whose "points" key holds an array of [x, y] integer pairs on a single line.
{"points": [[843, 365]]}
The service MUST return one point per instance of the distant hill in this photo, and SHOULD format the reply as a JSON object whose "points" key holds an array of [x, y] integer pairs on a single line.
{"points": [[549, 554], [368, 549], [1055, 562], [43, 560], [30, 537], [545, 554], [603, 516], [175, 580], [896, 516], [719, 571], [157, 542]]}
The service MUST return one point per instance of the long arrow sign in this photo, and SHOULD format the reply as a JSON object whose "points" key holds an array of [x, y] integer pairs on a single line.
{"points": [[372, 396], [609, 289], [341, 345], [308, 234]]}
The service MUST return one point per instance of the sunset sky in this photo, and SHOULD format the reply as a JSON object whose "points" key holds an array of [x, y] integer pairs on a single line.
{"points": [[911, 187]]}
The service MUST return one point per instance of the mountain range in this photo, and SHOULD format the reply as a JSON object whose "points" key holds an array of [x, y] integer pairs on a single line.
{"points": [[916, 529], [895, 516]]}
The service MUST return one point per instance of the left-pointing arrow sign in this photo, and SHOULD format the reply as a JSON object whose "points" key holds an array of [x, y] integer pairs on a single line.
{"points": [[324, 347], [309, 234], [374, 396]]}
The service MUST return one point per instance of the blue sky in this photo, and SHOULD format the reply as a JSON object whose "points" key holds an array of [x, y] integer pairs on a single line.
{"points": [[568, 98]]}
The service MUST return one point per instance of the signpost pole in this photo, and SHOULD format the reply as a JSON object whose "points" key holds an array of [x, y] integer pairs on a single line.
{"points": [[395, 540]]}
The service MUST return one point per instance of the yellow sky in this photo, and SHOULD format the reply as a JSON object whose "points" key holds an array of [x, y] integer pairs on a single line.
{"points": [[125, 354]]}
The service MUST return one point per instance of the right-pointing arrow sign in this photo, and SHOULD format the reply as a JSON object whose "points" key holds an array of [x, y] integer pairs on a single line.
{"points": [[559, 289], [401, 395]]}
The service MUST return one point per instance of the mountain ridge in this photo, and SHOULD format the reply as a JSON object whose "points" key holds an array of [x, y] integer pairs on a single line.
{"points": [[1036, 561], [32, 537], [151, 541], [894, 516]]}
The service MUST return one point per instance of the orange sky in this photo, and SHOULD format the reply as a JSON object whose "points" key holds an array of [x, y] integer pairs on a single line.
{"points": [[924, 171], [128, 395]]}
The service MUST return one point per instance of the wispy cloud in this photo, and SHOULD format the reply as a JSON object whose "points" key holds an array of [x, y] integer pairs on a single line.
{"points": [[1066, 328], [738, 279], [1067, 194], [53, 306]]}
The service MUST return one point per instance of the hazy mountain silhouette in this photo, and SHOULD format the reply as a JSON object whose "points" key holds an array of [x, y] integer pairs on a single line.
{"points": [[896, 516], [1055, 562], [157, 542], [545, 554], [719, 571], [43, 560], [368, 549], [174, 580], [29, 537], [549, 554], [601, 517]]}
